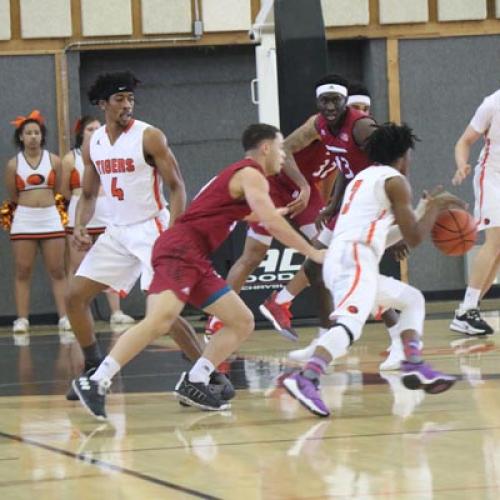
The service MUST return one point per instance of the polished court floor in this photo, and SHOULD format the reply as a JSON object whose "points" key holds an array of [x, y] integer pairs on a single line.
{"points": [[382, 441]]}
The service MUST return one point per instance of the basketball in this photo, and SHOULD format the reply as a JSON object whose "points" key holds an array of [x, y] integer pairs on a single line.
{"points": [[454, 232]]}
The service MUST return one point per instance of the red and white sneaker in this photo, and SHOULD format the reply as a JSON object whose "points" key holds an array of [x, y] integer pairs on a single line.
{"points": [[279, 315], [212, 326]]}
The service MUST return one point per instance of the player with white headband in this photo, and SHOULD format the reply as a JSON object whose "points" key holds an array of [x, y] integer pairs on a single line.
{"points": [[359, 97], [342, 130]]}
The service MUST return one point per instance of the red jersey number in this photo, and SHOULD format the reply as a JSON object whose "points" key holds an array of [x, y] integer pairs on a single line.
{"points": [[116, 191]]}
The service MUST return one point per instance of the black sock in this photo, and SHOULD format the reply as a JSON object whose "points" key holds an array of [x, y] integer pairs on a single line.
{"points": [[93, 356]]}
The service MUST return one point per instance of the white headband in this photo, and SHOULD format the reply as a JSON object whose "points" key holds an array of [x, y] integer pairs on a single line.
{"points": [[359, 99], [331, 87]]}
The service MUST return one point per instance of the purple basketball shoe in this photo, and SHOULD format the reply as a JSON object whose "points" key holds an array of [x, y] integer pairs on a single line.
{"points": [[306, 391], [423, 376]]}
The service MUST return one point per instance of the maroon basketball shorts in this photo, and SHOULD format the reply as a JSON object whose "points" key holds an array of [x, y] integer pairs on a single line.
{"points": [[181, 264]]}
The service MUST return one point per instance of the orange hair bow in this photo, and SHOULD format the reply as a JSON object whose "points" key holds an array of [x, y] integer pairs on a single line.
{"points": [[34, 115]]}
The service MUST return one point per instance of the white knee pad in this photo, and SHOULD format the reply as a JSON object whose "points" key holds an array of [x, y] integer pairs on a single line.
{"points": [[338, 338], [411, 303]]}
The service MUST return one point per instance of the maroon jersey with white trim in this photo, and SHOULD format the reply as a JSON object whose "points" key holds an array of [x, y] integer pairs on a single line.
{"points": [[213, 212], [315, 162], [349, 158]]}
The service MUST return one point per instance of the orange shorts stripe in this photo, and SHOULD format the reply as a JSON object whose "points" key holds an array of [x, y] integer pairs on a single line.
{"points": [[357, 276], [159, 225]]}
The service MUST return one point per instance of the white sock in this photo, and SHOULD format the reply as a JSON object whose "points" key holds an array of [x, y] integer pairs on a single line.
{"points": [[471, 299], [394, 333], [284, 296], [201, 371], [107, 369], [322, 331]]}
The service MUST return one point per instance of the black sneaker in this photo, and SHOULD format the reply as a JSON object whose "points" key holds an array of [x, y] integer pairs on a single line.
{"points": [[206, 397], [470, 323], [71, 395], [92, 395], [227, 389]]}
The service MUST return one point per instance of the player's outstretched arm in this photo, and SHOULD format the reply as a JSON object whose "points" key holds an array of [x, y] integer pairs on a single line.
{"points": [[255, 188], [462, 153], [335, 201], [296, 141], [414, 231], [159, 154]]}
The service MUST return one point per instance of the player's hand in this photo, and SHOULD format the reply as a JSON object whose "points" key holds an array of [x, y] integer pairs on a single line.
{"points": [[300, 203], [399, 251], [324, 215], [444, 200], [316, 255], [81, 239], [462, 172]]}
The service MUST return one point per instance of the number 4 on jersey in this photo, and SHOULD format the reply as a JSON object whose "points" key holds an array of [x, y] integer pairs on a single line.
{"points": [[116, 191]]}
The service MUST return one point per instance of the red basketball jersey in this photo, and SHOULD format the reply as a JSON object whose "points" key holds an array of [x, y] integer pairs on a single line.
{"points": [[349, 158], [315, 162], [213, 212]]}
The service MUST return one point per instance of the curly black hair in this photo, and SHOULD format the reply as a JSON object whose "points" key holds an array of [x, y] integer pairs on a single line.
{"points": [[108, 84], [389, 142]]}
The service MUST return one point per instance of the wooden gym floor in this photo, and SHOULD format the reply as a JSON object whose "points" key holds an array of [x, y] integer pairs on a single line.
{"points": [[382, 440]]}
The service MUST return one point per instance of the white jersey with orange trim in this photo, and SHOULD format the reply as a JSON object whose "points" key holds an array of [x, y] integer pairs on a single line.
{"points": [[133, 187], [486, 120], [42, 176], [366, 215]]}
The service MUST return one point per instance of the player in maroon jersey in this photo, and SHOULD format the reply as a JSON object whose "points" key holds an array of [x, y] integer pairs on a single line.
{"points": [[315, 163], [183, 272], [342, 130]]}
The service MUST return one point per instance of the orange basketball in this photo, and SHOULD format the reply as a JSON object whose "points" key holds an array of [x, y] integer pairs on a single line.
{"points": [[454, 232]]}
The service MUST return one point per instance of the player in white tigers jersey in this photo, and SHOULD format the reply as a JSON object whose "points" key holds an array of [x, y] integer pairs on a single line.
{"points": [[133, 186], [375, 198], [485, 124], [128, 157], [73, 169]]}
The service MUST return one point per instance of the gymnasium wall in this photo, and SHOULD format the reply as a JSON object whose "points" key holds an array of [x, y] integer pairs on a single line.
{"points": [[200, 97], [27, 83], [442, 83]]}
